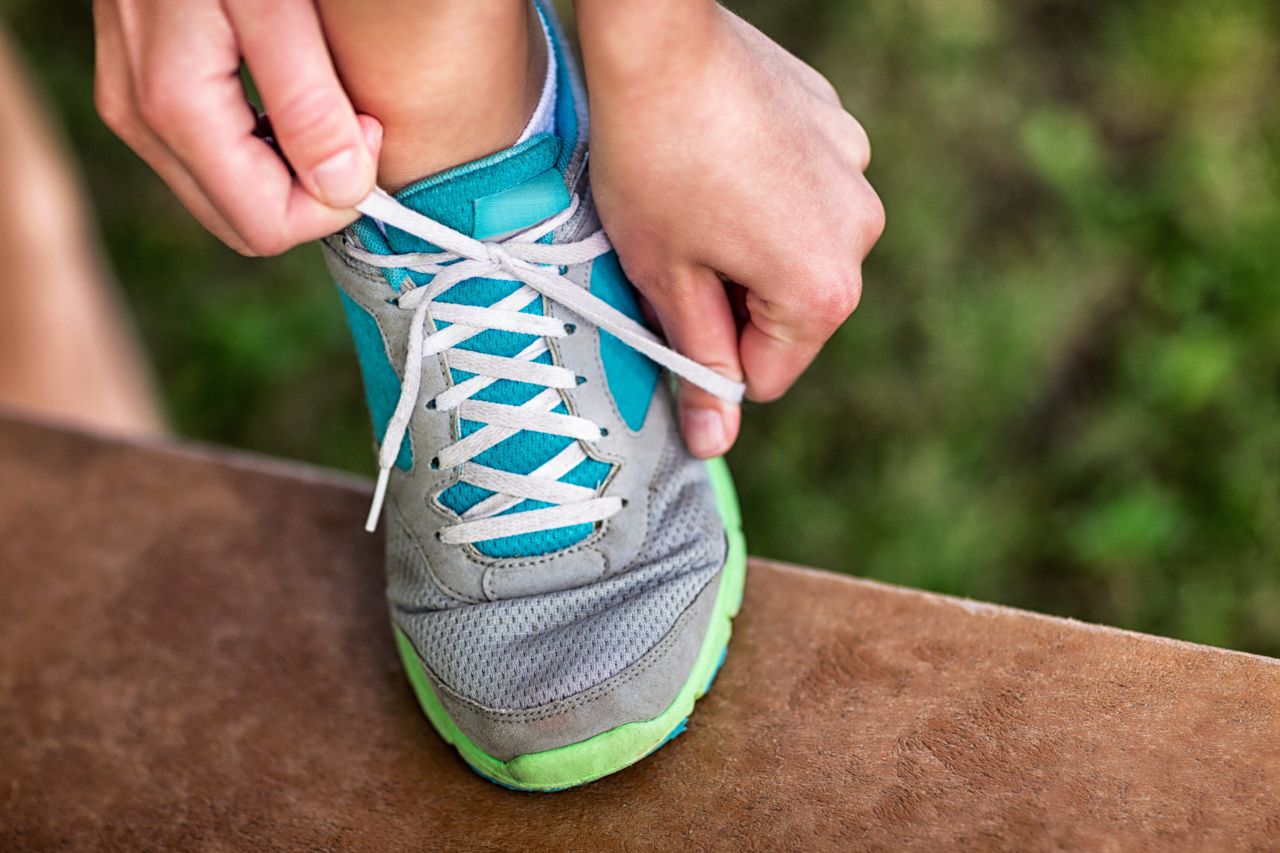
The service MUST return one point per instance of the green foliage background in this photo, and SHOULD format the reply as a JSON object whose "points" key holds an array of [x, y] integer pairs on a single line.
{"points": [[1061, 390]]}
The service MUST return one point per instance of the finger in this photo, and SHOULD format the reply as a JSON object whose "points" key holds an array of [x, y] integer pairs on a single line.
{"points": [[114, 98], [371, 132], [188, 191], [190, 96], [783, 338], [696, 316], [313, 120]]}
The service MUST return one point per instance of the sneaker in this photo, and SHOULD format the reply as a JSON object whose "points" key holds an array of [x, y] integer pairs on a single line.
{"points": [[561, 572]]}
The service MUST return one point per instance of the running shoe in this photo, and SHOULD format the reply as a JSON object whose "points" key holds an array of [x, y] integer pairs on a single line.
{"points": [[561, 572]]}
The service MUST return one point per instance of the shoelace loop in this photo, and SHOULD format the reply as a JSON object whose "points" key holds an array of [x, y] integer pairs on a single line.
{"points": [[534, 265]]}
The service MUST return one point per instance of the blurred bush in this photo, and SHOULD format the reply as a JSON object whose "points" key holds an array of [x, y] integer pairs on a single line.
{"points": [[1061, 390]]}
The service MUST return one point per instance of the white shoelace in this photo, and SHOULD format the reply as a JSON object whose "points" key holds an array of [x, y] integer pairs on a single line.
{"points": [[535, 265]]}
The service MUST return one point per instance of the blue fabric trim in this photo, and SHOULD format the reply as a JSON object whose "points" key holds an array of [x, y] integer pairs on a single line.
{"points": [[541, 197], [381, 384], [632, 377]]}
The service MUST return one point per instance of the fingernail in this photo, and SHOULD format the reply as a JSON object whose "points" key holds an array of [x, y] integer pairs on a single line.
{"points": [[703, 431], [340, 179]]}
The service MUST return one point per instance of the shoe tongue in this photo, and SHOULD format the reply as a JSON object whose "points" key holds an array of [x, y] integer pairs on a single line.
{"points": [[508, 191]]}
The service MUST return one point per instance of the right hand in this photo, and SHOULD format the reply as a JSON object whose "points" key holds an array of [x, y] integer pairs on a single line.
{"points": [[716, 154], [168, 84]]}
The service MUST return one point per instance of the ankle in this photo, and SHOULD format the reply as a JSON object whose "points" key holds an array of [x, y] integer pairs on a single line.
{"points": [[460, 110]]}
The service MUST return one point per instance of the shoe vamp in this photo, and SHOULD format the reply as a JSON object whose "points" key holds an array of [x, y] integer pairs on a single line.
{"points": [[526, 652]]}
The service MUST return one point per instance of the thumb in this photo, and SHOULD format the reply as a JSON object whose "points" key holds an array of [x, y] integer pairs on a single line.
{"points": [[694, 311], [313, 120]]}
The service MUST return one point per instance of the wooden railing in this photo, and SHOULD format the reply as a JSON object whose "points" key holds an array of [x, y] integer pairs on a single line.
{"points": [[194, 654]]}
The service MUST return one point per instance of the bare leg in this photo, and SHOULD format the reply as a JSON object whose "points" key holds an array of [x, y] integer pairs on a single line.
{"points": [[65, 347], [450, 80]]}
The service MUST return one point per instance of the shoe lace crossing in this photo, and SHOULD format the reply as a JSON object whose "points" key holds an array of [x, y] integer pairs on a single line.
{"points": [[536, 266]]}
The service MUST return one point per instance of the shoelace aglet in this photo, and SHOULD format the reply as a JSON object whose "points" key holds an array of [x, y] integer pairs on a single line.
{"points": [[379, 495]]}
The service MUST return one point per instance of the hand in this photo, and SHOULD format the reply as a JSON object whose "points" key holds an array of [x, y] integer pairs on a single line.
{"points": [[718, 155], [168, 84]]}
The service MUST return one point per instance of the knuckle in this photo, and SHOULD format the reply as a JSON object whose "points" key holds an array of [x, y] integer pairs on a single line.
{"points": [[113, 109], [673, 293], [837, 296], [311, 116], [161, 99], [860, 144], [872, 218]]}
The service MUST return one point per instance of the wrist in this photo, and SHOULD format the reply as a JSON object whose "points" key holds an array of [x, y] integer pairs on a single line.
{"points": [[629, 43]]}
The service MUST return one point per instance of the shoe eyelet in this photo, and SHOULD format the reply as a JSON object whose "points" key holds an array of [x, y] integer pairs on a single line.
{"points": [[431, 405], [435, 463], [570, 328], [603, 432], [581, 380]]}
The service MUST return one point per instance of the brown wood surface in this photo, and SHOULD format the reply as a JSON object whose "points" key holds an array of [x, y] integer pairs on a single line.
{"points": [[194, 654]]}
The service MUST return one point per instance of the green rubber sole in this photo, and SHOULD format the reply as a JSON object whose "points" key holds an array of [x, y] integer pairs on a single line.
{"points": [[610, 751]]}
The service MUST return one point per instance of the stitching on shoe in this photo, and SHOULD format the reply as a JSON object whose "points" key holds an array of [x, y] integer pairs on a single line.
{"points": [[394, 505]]}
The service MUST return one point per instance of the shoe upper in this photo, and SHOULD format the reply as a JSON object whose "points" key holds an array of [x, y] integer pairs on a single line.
{"points": [[549, 624]]}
